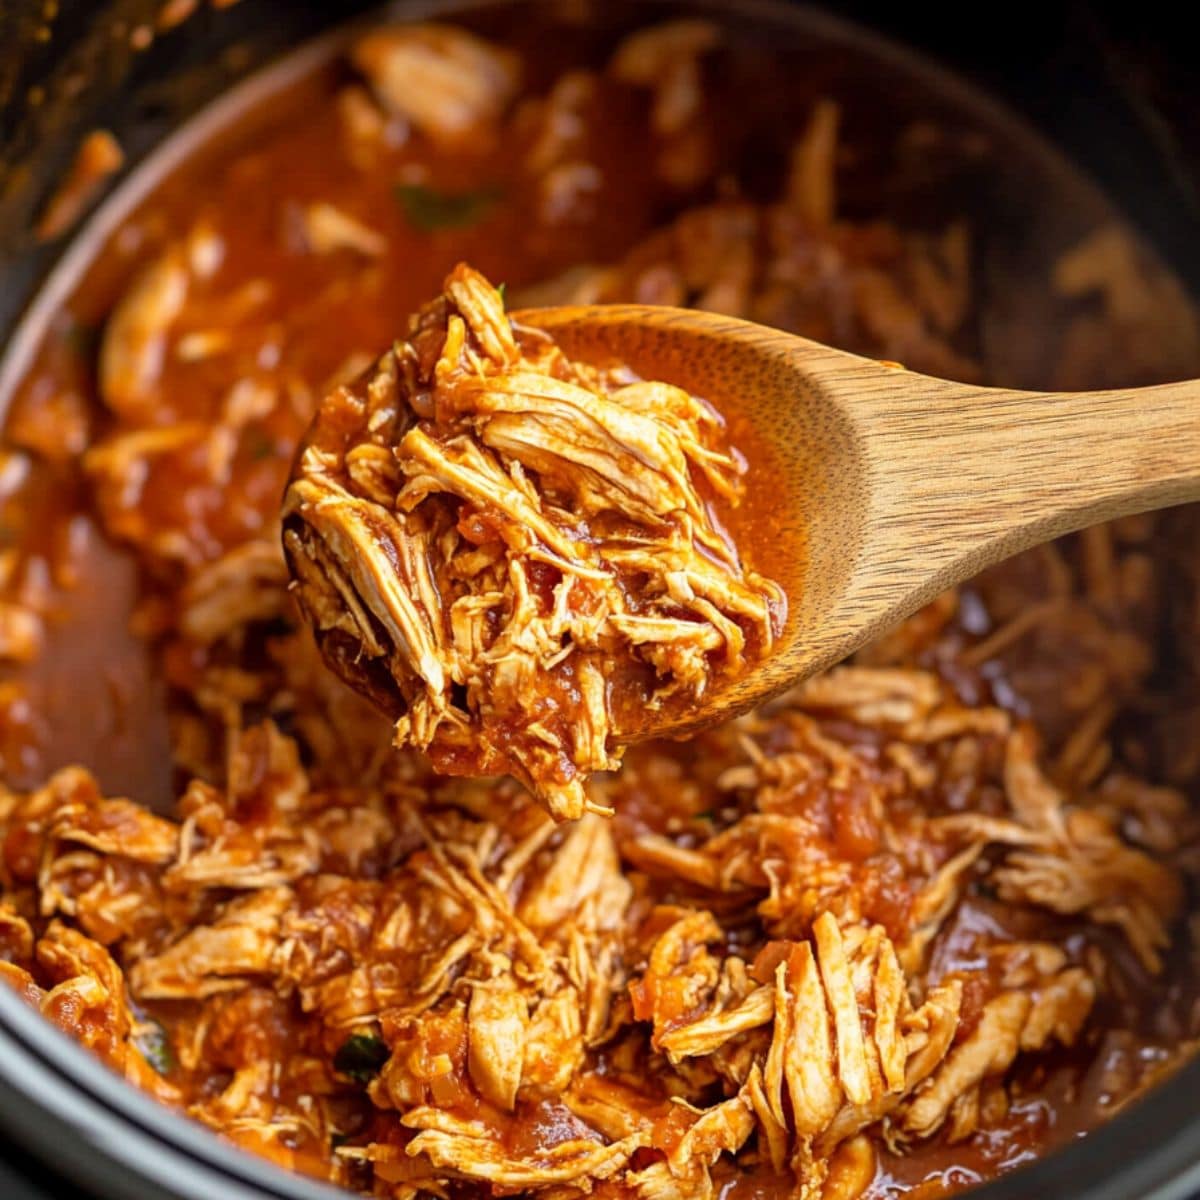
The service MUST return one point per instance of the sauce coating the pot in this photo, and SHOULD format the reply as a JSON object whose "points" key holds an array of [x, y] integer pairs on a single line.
{"points": [[920, 920]]}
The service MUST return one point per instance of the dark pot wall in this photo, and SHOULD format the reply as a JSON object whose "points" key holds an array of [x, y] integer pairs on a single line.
{"points": [[1113, 83]]}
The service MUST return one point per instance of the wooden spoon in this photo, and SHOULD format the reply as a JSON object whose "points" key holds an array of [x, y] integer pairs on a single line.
{"points": [[873, 488]]}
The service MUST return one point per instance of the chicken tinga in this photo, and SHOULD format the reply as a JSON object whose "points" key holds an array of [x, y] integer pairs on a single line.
{"points": [[780, 958], [917, 922], [515, 554]]}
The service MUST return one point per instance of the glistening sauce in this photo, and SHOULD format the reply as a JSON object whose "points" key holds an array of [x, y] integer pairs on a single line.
{"points": [[301, 901]]}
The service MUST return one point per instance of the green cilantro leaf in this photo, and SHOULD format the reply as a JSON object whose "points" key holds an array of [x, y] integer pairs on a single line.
{"points": [[429, 210], [155, 1046], [360, 1056]]}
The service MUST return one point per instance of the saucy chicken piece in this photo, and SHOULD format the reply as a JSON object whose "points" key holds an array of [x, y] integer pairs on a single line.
{"points": [[446, 82], [511, 552]]}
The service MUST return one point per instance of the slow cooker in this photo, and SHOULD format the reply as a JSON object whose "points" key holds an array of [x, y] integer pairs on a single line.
{"points": [[1077, 90]]}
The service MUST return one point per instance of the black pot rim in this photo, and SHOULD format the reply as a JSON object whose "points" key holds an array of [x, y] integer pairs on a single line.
{"points": [[86, 1123]]}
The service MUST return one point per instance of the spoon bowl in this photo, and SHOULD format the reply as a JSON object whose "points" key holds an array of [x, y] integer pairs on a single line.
{"points": [[873, 489]]}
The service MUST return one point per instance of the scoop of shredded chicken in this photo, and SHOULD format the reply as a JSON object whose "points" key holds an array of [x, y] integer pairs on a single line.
{"points": [[509, 550]]}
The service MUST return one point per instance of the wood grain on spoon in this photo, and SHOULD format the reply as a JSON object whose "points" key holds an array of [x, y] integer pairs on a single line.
{"points": [[878, 488]]}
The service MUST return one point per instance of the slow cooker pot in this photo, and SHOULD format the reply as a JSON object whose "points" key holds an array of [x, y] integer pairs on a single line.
{"points": [[1110, 90]]}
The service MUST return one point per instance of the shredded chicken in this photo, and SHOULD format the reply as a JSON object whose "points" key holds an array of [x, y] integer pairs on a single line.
{"points": [[135, 340], [492, 540], [327, 228], [507, 973], [667, 60], [918, 920], [448, 83]]}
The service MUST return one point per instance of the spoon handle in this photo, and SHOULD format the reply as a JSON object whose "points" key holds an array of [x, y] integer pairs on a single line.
{"points": [[963, 476]]}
